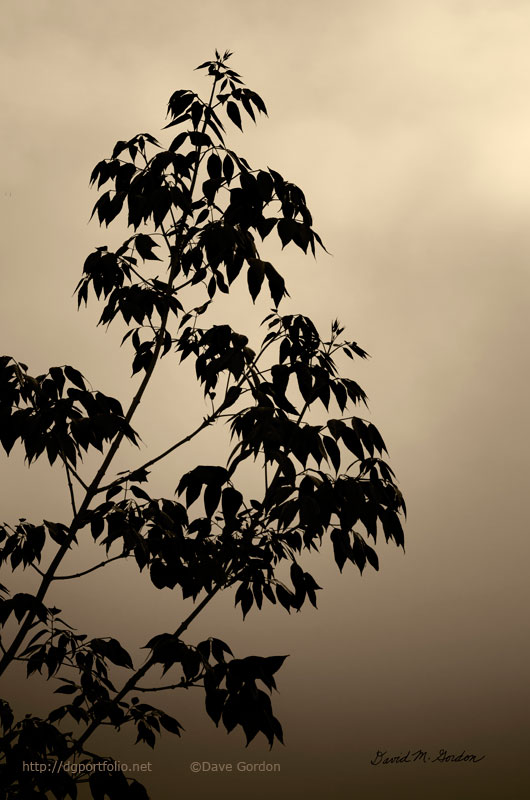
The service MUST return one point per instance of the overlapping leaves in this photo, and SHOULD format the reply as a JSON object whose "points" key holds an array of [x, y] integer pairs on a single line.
{"points": [[56, 413], [198, 212]]}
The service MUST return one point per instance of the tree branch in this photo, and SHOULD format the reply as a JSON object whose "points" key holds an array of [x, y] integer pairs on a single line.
{"points": [[204, 424], [91, 490], [216, 414], [133, 680], [70, 487], [183, 684], [78, 478], [92, 569]]}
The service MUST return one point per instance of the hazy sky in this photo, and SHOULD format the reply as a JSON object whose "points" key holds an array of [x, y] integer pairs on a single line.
{"points": [[407, 124]]}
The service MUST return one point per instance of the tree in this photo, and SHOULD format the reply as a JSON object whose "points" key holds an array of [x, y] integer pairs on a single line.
{"points": [[207, 208]]}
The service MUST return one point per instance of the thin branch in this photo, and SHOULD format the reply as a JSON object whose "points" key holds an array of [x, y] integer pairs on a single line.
{"points": [[139, 674], [204, 424], [182, 285], [183, 684], [78, 478], [138, 275], [70, 487], [92, 569], [91, 490]]}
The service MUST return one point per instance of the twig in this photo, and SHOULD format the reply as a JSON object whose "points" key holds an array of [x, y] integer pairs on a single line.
{"points": [[182, 685], [86, 571], [78, 478], [70, 487], [204, 424], [131, 683]]}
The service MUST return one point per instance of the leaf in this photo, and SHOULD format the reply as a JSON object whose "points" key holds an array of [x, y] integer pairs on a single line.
{"points": [[232, 396], [144, 245], [233, 112], [358, 555], [137, 491], [145, 734], [258, 102], [284, 231], [139, 475], [333, 451], [219, 648], [269, 593], [392, 526], [341, 395], [245, 597], [198, 139], [67, 689], [179, 102], [112, 492], [158, 573], [170, 724], [213, 166], [75, 377], [273, 663], [276, 283], [196, 113], [305, 382], [377, 439], [178, 141], [210, 188], [204, 648], [57, 376], [248, 108], [228, 168], [6, 715], [232, 501], [285, 597], [255, 275], [23, 602], [57, 531], [265, 185], [113, 650], [341, 547], [356, 349], [212, 496], [352, 442], [215, 701], [265, 226], [114, 206], [371, 555]]}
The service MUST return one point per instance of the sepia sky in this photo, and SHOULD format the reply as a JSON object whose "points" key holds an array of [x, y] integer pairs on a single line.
{"points": [[407, 124]]}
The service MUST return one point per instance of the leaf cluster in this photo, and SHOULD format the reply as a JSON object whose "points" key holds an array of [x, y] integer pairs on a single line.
{"points": [[198, 214], [56, 413]]}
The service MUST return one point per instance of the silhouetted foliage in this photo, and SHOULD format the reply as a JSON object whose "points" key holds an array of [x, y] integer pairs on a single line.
{"points": [[200, 208]]}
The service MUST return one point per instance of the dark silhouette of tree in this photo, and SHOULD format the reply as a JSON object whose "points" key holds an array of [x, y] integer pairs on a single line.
{"points": [[205, 208]]}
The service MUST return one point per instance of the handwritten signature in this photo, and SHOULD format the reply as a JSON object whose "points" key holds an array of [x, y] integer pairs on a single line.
{"points": [[423, 756]]}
